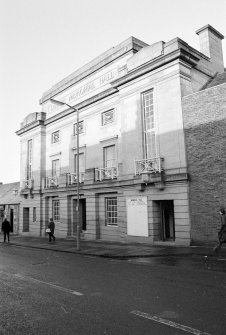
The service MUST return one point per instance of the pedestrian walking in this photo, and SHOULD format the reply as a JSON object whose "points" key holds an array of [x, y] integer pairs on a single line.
{"points": [[6, 228], [222, 231], [51, 227]]}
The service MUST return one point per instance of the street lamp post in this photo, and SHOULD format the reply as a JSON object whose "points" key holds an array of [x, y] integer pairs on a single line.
{"points": [[60, 103]]}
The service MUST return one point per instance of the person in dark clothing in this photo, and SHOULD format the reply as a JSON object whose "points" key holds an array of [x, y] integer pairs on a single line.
{"points": [[51, 226], [222, 231], [6, 228]]}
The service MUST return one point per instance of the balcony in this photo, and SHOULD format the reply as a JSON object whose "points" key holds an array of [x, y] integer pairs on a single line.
{"points": [[148, 166], [51, 181], [72, 178], [106, 173]]}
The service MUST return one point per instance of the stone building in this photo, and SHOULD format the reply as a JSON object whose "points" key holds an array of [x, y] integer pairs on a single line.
{"points": [[204, 114], [133, 178]]}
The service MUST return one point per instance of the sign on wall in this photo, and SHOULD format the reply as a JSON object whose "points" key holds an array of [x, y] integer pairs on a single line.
{"points": [[137, 216]]}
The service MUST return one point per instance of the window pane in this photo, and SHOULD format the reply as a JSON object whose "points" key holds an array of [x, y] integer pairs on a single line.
{"points": [[80, 128], [111, 211], [109, 156], [81, 162], [56, 212], [149, 125], [56, 136], [55, 167], [107, 117], [29, 160]]}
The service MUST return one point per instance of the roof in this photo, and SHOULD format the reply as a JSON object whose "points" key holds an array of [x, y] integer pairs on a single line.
{"points": [[6, 194], [219, 79]]}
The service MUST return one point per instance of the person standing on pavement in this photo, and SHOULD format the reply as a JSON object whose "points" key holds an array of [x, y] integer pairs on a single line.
{"points": [[51, 226], [222, 232], [6, 228]]}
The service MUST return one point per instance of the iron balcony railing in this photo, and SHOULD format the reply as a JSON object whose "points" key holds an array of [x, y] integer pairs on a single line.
{"points": [[149, 165], [72, 178], [106, 173], [51, 181], [27, 184]]}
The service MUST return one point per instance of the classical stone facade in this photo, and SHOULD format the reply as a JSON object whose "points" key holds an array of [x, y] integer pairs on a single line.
{"points": [[133, 178]]}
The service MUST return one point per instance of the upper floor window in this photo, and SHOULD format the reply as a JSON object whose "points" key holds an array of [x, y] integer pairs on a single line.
{"points": [[109, 156], [55, 167], [107, 117], [149, 124], [29, 159], [81, 162], [80, 128], [55, 137]]}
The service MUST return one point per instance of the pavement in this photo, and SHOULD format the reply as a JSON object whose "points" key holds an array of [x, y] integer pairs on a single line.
{"points": [[109, 249]]}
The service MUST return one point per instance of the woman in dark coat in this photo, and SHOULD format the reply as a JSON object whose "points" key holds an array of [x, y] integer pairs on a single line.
{"points": [[6, 228]]}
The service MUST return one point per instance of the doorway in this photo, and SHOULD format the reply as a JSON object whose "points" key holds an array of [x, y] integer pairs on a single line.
{"points": [[11, 220], [26, 219], [167, 220], [82, 216]]}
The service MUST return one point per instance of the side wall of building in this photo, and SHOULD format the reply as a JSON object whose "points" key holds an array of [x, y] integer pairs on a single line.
{"points": [[204, 116]]}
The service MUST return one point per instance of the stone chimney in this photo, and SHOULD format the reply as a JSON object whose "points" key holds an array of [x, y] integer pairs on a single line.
{"points": [[210, 41]]}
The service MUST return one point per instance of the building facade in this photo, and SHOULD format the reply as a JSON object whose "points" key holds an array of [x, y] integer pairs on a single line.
{"points": [[133, 172]]}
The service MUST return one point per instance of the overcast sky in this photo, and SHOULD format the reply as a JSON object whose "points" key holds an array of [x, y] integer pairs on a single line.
{"points": [[43, 41]]}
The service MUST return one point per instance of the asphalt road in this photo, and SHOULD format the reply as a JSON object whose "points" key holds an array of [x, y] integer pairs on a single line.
{"points": [[47, 292]]}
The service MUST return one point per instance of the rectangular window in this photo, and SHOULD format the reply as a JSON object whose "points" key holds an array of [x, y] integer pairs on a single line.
{"points": [[149, 125], [109, 156], [29, 159], [34, 214], [107, 117], [111, 211], [55, 137], [56, 210], [80, 128], [55, 168], [81, 163]]}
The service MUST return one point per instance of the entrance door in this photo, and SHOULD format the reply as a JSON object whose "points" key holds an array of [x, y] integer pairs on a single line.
{"points": [[25, 219], [167, 220], [11, 220], [82, 216]]}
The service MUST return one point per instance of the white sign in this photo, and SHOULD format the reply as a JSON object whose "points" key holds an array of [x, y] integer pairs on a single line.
{"points": [[137, 216]]}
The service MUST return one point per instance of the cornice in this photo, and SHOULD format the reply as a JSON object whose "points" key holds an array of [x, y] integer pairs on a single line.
{"points": [[30, 126], [153, 65]]}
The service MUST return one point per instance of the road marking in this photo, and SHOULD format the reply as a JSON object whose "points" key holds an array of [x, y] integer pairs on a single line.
{"points": [[169, 323], [64, 289]]}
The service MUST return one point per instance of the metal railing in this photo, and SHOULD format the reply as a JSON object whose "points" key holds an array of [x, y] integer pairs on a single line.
{"points": [[149, 165], [72, 178], [27, 184], [51, 181], [106, 173]]}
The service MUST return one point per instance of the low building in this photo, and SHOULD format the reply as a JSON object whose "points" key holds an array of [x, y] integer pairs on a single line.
{"points": [[10, 205], [133, 173]]}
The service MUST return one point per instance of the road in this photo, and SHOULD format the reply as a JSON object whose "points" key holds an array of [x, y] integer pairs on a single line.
{"points": [[47, 292]]}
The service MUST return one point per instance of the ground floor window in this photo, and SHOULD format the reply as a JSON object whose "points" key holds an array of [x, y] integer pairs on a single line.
{"points": [[111, 211], [34, 214], [56, 210]]}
